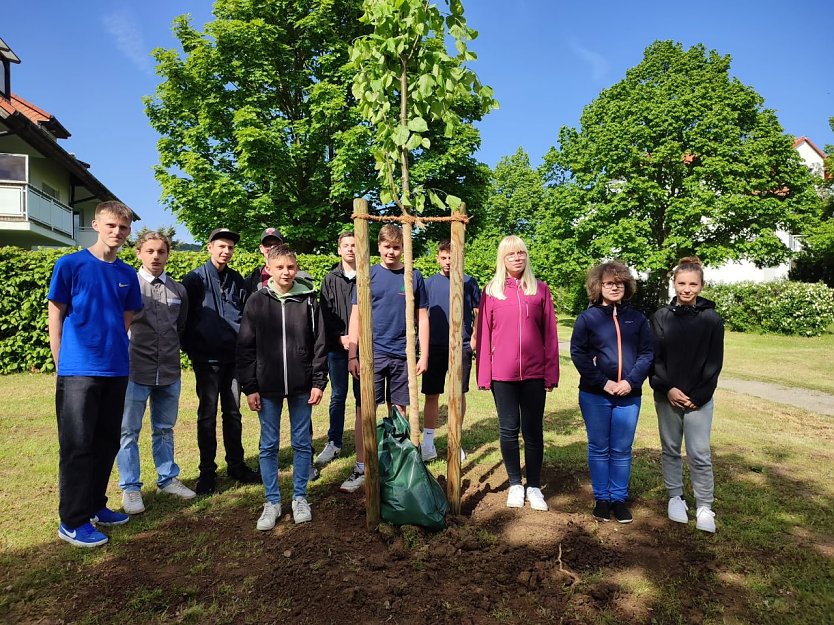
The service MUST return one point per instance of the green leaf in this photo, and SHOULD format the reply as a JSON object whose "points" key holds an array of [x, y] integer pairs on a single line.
{"points": [[418, 124], [434, 199], [453, 201], [400, 135]]}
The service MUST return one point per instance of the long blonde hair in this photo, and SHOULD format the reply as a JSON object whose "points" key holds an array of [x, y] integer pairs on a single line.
{"points": [[495, 287]]}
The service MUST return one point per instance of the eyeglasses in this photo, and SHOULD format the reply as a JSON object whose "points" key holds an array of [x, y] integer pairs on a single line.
{"points": [[612, 285], [516, 255]]}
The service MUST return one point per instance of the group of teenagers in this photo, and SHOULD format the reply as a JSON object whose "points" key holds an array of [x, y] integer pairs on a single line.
{"points": [[116, 336]]}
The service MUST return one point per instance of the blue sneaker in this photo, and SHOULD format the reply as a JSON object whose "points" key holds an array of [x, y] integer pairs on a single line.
{"points": [[83, 536], [106, 516]]}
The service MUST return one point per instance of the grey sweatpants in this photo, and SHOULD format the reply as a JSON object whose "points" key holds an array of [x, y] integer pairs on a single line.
{"points": [[693, 427]]}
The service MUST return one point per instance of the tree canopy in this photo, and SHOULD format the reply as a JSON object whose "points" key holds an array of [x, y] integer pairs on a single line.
{"points": [[258, 126], [678, 158]]}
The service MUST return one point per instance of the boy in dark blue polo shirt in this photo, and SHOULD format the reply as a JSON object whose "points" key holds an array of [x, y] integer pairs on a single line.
{"points": [[388, 311], [434, 379], [92, 299]]}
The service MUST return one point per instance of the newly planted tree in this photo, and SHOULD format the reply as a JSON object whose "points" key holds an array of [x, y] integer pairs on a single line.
{"points": [[407, 82]]}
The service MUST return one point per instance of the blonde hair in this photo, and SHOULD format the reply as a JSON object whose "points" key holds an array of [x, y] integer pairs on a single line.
{"points": [[495, 287], [116, 208]]}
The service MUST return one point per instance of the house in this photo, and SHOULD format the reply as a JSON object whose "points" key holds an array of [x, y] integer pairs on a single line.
{"points": [[47, 195], [743, 271]]}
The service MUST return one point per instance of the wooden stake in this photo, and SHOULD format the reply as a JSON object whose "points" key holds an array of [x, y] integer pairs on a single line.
{"points": [[366, 363], [410, 339], [455, 398]]}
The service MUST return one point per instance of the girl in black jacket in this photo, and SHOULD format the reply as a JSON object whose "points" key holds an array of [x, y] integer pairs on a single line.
{"points": [[689, 353], [281, 354]]}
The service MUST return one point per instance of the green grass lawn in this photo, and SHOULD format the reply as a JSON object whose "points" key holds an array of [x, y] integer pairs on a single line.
{"points": [[774, 551]]}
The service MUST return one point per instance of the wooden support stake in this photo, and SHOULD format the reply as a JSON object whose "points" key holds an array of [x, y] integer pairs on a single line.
{"points": [[455, 422], [366, 363], [410, 340]]}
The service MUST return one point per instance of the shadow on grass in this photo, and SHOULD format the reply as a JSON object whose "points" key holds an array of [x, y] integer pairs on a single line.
{"points": [[772, 560]]}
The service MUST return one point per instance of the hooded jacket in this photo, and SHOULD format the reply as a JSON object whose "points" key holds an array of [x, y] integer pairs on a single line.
{"points": [[517, 338], [335, 301], [611, 343], [280, 348], [689, 349], [215, 305]]}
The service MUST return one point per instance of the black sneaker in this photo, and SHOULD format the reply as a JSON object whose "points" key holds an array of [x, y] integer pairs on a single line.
{"points": [[602, 511], [245, 475], [206, 484], [621, 512]]}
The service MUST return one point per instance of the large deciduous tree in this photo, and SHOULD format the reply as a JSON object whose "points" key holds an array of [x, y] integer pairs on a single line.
{"points": [[677, 158], [251, 114]]}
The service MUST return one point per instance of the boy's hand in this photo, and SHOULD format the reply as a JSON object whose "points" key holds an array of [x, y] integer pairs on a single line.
{"points": [[353, 367], [345, 342], [422, 364], [315, 396], [254, 401]]}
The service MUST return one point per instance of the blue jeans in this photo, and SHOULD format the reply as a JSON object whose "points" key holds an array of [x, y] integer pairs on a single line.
{"points": [[337, 362], [302, 455], [611, 423], [164, 402]]}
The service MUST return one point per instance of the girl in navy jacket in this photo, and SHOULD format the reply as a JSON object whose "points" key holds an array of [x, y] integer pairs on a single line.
{"points": [[611, 347]]}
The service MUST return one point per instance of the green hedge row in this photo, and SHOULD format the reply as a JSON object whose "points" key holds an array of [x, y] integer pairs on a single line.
{"points": [[796, 308], [24, 337]]}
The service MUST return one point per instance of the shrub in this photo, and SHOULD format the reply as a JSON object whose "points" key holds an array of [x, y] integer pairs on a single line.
{"points": [[782, 307], [24, 335]]}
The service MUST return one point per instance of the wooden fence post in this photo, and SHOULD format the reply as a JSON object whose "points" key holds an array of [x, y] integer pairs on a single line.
{"points": [[455, 422], [366, 362]]}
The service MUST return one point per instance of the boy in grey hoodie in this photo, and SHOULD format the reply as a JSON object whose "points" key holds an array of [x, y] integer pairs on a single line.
{"points": [[281, 354]]}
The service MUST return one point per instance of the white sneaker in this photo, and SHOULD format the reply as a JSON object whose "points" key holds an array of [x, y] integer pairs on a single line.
{"points": [[705, 519], [353, 483], [301, 511], [132, 502], [269, 516], [676, 510], [328, 454], [429, 453], [178, 489], [515, 496], [536, 499]]}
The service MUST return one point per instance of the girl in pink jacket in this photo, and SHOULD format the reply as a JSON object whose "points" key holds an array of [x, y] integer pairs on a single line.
{"points": [[518, 359]]}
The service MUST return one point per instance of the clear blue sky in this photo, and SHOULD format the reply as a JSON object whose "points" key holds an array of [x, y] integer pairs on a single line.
{"points": [[88, 63]]}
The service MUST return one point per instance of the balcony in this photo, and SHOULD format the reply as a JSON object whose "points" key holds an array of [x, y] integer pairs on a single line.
{"points": [[29, 217]]}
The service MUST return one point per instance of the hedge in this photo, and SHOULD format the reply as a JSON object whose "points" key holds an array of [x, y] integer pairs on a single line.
{"points": [[782, 307], [24, 337]]}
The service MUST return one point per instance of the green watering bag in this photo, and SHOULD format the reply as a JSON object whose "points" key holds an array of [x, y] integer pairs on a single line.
{"points": [[409, 494]]}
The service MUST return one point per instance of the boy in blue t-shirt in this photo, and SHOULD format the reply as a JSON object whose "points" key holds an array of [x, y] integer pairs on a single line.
{"points": [[93, 296], [388, 311]]}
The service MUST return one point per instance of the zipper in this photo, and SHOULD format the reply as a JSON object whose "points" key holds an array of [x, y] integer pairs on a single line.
{"points": [[518, 298], [284, 344], [619, 347]]}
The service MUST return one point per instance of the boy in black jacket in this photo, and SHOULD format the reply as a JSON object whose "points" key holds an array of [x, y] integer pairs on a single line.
{"points": [[281, 354]]}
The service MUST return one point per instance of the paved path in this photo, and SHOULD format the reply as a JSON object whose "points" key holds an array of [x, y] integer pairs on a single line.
{"points": [[812, 401]]}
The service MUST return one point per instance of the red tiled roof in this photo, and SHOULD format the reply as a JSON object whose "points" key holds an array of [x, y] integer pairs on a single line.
{"points": [[34, 114], [800, 140]]}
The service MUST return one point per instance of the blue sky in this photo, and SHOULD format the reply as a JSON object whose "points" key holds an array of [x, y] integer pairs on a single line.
{"points": [[88, 63]]}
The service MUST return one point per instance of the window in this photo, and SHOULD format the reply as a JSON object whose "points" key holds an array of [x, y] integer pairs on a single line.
{"points": [[13, 168], [51, 191]]}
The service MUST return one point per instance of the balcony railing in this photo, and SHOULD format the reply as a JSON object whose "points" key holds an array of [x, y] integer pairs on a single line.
{"points": [[26, 203]]}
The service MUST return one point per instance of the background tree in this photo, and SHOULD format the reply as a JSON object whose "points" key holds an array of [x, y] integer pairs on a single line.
{"points": [[678, 158], [168, 231], [259, 127], [816, 261]]}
